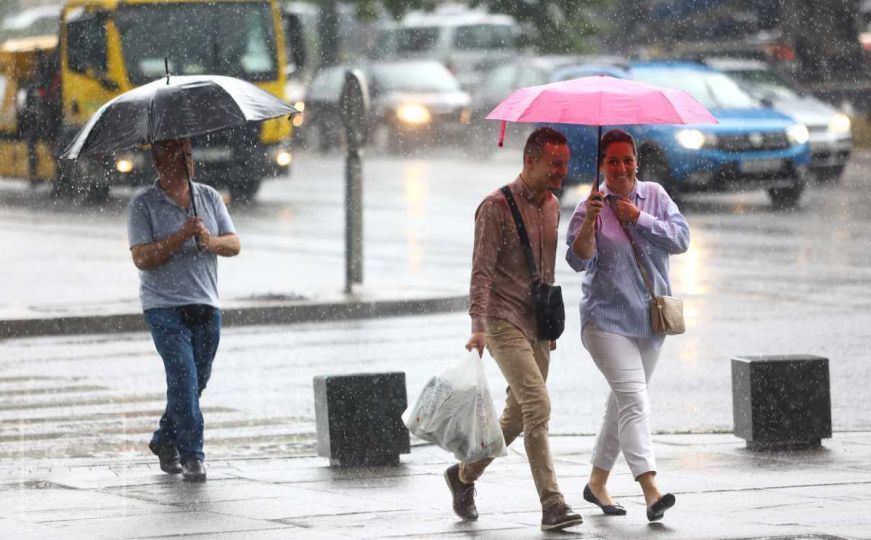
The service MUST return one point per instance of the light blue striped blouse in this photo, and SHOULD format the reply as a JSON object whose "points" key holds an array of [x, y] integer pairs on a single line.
{"points": [[614, 297]]}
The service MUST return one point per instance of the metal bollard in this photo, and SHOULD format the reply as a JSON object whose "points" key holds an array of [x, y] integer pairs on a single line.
{"points": [[781, 402], [359, 418]]}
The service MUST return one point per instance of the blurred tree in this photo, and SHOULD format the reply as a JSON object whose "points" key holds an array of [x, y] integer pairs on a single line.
{"points": [[561, 26], [366, 10], [825, 37]]}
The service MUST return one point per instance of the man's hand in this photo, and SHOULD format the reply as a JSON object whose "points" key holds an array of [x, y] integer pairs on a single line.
{"points": [[476, 342], [205, 238], [626, 212], [191, 227]]}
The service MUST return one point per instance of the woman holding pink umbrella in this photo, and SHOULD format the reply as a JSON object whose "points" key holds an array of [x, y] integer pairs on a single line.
{"points": [[621, 238]]}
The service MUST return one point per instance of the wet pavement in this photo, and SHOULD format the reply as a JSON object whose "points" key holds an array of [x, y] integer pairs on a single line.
{"points": [[722, 491], [77, 410]]}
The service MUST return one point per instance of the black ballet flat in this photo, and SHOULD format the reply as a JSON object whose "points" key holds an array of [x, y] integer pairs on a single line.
{"points": [[656, 511], [608, 509]]}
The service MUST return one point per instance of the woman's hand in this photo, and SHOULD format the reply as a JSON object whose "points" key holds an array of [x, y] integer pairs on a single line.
{"points": [[595, 203], [584, 245], [625, 211]]}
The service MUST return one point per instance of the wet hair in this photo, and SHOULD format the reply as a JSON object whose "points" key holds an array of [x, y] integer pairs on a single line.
{"points": [[538, 138], [615, 136]]}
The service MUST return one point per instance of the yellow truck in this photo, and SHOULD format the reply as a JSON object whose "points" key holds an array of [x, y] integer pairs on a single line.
{"points": [[51, 85]]}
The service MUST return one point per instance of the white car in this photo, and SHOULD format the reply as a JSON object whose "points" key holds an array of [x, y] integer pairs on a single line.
{"points": [[831, 135], [36, 21], [468, 42]]}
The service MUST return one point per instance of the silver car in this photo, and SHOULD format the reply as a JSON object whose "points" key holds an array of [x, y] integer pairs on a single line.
{"points": [[831, 135]]}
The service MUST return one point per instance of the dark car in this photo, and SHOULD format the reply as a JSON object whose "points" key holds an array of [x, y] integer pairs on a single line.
{"points": [[412, 103], [501, 81]]}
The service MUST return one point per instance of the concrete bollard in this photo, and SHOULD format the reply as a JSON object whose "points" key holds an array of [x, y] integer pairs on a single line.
{"points": [[359, 418], [781, 402]]}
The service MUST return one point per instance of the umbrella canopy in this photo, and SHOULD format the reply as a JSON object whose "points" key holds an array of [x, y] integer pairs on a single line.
{"points": [[173, 108], [600, 101]]}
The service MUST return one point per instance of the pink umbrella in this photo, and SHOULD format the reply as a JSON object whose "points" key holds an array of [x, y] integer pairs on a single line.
{"points": [[600, 101]]}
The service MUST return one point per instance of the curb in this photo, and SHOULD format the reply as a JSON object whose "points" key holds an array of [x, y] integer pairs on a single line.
{"points": [[292, 313]]}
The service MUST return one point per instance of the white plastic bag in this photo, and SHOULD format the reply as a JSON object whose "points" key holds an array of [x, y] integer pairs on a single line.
{"points": [[455, 411]]}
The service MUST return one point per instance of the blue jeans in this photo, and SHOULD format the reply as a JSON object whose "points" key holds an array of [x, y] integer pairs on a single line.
{"points": [[186, 337]]}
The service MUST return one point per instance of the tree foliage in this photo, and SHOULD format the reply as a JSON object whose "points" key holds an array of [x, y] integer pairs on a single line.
{"points": [[557, 26], [560, 26]]}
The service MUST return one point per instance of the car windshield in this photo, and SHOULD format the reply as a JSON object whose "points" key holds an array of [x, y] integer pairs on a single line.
{"points": [[30, 23], [764, 84], [412, 40], [425, 77], [483, 36], [239, 42], [712, 89]]}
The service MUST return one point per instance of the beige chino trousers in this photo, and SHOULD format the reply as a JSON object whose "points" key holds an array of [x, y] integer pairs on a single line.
{"points": [[524, 365]]}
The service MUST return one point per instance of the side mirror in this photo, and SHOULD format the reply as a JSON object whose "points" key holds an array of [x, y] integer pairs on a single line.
{"points": [[108, 83], [102, 78]]}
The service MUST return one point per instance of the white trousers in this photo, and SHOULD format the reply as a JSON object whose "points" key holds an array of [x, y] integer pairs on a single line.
{"points": [[627, 364]]}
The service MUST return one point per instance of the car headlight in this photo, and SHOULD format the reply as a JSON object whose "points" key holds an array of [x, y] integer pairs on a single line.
{"points": [[797, 134], [283, 157], [413, 113], [840, 123], [124, 165], [691, 139]]}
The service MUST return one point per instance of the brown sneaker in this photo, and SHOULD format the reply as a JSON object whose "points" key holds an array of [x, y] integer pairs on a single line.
{"points": [[559, 516], [463, 494]]}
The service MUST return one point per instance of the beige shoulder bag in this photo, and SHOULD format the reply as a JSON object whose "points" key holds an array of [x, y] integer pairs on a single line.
{"points": [[666, 312]]}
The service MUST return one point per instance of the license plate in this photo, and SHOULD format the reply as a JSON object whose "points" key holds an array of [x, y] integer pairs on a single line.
{"points": [[212, 154], [757, 166]]}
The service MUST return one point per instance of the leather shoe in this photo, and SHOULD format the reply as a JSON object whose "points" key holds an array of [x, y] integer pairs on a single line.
{"points": [[656, 511], [462, 493], [193, 470], [608, 509], [170, 463], [558, 517]]}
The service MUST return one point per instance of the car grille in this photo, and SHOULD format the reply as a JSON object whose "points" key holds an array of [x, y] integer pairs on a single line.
{"points": [[774, 140]]}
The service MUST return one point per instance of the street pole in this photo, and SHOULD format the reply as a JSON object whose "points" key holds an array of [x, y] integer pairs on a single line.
{"points": [[354, 106]]}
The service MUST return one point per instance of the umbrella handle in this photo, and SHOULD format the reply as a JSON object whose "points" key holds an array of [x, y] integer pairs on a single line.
{"points": [[502, 134], [166, 68], [598, 161], [194, 208]]}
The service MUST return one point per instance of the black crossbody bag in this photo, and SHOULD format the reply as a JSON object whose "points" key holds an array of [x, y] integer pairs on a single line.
{"points": [[547, 300]]}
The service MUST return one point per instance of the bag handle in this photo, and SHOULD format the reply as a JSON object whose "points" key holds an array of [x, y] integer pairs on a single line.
{"points": [[636, 251], [521, 231]]}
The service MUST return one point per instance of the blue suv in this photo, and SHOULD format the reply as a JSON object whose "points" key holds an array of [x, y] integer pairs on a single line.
{"points": [[752, 147]]}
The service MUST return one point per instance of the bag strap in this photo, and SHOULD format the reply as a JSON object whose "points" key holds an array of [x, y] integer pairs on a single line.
{"points": [[521, 231], [636, 251]]}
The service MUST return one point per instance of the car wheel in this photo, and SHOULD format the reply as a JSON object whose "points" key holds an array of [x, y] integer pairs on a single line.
{"points": [[479, 143], [318, 138], [786, 198], [245, 188], [829, 175], [62, 187], [652, 167], [385, 140]]}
